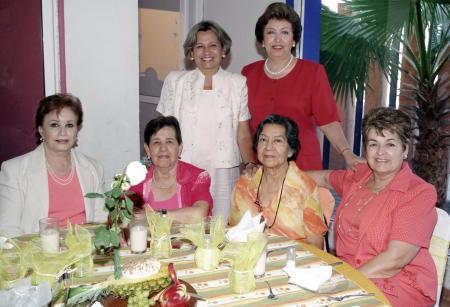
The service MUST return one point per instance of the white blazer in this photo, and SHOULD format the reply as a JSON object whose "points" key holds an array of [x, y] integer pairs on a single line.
{"points": [[24, 195], [179, 98]]}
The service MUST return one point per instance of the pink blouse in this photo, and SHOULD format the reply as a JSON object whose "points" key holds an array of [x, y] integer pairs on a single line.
{"points": [[66, 201], [366, 223]]}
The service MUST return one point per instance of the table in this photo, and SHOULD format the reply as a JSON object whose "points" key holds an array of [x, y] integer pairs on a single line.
{"points": [[213, 285]]}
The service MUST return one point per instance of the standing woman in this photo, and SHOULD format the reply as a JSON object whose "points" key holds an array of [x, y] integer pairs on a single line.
{"points": [[211, 106], [288, 86], [51, 180]]}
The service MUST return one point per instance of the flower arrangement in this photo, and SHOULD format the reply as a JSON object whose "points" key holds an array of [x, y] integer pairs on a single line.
{"points": [[120, 208]]}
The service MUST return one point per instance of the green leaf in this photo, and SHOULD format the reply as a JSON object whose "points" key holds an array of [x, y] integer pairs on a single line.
{"points": [[102, 237], [94, 195], [114, 238], [108, 193], [116, 192], [110, 204], [130, 204]]}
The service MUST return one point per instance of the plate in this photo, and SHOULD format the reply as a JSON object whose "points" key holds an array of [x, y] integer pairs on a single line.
{"points": [[112, 301]]}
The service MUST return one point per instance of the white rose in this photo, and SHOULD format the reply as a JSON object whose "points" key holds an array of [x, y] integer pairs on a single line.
{"points": [[136, 172]]}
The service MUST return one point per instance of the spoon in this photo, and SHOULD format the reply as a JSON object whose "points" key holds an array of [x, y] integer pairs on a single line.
{"points": [[271, 295]]}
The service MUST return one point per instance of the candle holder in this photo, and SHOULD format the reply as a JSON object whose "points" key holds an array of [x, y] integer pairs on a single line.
{"points": [[207, 256], [138, 233]]}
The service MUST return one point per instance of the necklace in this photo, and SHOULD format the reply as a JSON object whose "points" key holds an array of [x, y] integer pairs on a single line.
{"points": [[266, 66], [359, 207], [59, 180], [258, 203]]}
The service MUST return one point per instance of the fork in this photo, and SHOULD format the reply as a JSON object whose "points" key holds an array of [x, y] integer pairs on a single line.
{"points": [[271, 295], [335, 298]]}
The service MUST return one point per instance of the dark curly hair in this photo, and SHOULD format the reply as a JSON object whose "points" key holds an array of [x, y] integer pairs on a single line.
{"points": [[291, 130]]}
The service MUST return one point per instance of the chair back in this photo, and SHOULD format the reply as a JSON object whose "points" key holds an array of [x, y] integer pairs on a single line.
{"points": [[439, 247], [327, 202]]}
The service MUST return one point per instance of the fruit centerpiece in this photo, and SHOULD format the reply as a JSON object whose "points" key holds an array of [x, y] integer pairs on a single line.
{"points": [[141, 279]]}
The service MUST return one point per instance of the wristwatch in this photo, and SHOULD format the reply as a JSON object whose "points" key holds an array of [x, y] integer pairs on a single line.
{"points": [[162, 211]]}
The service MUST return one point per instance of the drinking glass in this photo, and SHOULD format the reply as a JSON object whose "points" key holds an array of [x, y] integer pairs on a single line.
{"points": [[49, 232], [260, 268]]}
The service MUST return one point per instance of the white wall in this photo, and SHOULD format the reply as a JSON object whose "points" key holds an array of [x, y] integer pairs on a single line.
{"points": [[238, 18], [103, 71]]}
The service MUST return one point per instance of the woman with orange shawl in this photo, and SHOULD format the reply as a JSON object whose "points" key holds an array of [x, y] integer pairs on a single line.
{"points": [[287, 197]]}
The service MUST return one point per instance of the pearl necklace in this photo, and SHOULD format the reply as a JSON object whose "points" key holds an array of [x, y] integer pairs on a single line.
{"points": [[59, 180], [266, 66]]}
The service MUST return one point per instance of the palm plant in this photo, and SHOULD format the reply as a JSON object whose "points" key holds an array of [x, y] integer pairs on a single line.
{"points": [[371, 34]]}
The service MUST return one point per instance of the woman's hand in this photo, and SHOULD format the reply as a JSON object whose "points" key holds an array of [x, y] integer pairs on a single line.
{"points": [[250, 169], [351, 159]]}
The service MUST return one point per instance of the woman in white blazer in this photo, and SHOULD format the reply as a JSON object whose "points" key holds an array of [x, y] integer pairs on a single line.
{"points": [[211, 106], [51, 180]]}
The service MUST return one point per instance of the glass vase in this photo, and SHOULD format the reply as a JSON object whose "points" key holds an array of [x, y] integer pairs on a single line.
{"points": [[242, 282]]}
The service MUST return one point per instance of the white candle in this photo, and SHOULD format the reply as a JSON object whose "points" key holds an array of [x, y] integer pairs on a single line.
{"points": [[260, 267], [50, 240], [138, 239]]}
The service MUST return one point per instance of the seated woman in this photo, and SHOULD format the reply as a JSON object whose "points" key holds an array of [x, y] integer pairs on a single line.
{"points": [[178, 187], [51, 180], [287, 197], [384, 225]]}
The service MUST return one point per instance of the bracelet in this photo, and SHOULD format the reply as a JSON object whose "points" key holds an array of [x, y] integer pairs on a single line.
{"points": [[344, 150], [248, 163]]}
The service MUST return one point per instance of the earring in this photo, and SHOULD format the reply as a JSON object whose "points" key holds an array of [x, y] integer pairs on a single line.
{"points": [[405, 156], [263, 45], [293, 45], [223, 56], [41, 139]]}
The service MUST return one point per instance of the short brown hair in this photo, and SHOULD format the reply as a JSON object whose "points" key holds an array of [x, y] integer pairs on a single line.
{"points": [[279, 11], [56, 103], [205, 25], [392, 120]]}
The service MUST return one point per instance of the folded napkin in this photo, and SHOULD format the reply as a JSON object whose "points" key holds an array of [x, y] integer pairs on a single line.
{"points": [[246, 225], [309, 278], [4, 244]]}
